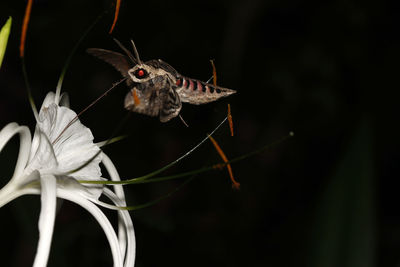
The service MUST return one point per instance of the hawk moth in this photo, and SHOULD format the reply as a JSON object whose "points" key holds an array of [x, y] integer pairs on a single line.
{"points": [[159, 88]]}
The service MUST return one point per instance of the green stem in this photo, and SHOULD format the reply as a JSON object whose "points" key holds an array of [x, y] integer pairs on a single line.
{"points": [[144, 179], [28, 90], [153, 202], [68, 61]]}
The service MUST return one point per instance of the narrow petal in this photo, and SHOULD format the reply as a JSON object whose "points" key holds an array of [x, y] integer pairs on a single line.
{"points": [[46, 219], [12, 191], [125, 225], [6, 133], [112, 171], [24, 148], [101, 219]]}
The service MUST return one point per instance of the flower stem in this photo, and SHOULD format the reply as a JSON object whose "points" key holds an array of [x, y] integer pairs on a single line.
{"points": [[145, 178], [68, 61]]}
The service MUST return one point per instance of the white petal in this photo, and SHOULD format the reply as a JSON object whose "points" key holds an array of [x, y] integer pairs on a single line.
{"points": [[12, 190], [24, 148], [126, 225], [91, 192], [113, 173], [126, 231], [35, 143], [48, 100], [101, 219], [64, 100], [73, 144], [43, 159], [46, 219], [6, 133]]}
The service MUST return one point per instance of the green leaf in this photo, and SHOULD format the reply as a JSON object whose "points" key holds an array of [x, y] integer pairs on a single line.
{"points": [[4, 33]]}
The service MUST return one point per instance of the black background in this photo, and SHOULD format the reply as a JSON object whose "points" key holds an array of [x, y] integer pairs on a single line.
{"points": [[327, 70]]}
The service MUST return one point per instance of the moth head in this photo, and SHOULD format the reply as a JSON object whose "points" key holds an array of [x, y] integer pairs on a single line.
{"points": [[144, 71], [151, 69], [141, 73]]}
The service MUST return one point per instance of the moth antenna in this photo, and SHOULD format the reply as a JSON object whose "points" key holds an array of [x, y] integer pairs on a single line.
{"points": [[127, 52], [183, 121], [136, 52]]}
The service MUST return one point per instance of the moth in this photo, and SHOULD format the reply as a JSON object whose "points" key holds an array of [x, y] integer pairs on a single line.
{"points": [[156, 88]]}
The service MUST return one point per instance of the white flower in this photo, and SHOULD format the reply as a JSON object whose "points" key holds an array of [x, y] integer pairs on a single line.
{"points": [[59, 154]]}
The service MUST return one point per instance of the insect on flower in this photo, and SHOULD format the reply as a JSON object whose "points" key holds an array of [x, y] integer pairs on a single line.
{"points": [[157, 89]]}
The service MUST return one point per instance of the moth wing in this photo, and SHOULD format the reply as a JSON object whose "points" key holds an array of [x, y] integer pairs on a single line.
{"points": [[170, 104], [154, 101], [120, 62], [145, 102]]}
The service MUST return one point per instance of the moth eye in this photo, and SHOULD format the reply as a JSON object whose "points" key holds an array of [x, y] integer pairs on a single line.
{"points": [[141, 73]]}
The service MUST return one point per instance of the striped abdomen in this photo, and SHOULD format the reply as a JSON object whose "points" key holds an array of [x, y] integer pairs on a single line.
{"points": [[197, 92]]}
